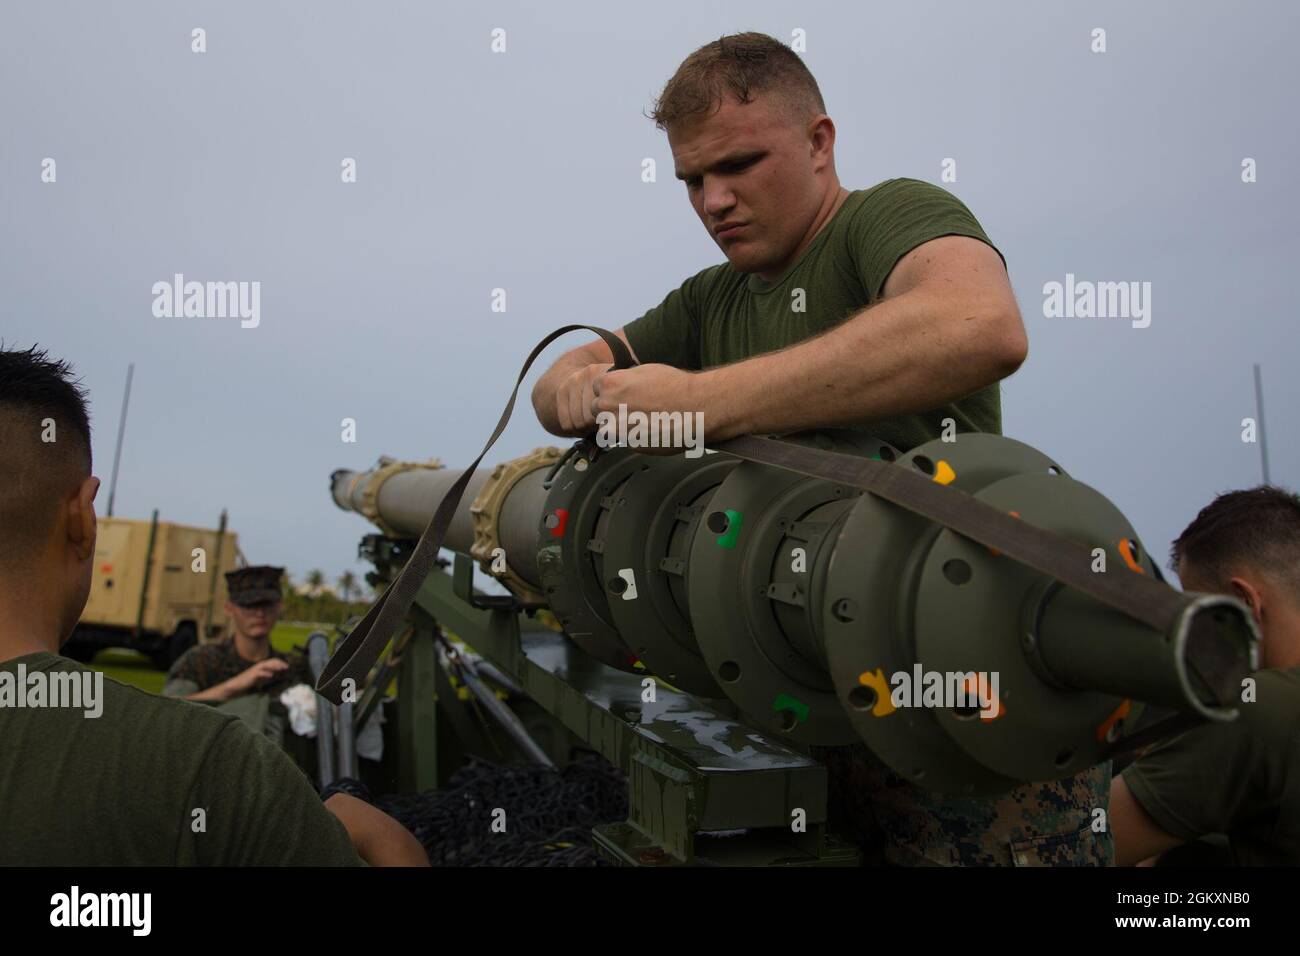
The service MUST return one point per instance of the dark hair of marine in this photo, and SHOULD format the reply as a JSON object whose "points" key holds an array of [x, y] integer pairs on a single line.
{"points": [[45, 450]]}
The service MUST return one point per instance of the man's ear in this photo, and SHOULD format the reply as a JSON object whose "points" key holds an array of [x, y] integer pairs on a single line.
{"points": [[1249, 595], [821, 134], [82, 523]]}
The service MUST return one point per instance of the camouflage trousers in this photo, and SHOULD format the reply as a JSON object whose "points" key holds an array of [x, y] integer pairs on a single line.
{"points": [[895, 822]]}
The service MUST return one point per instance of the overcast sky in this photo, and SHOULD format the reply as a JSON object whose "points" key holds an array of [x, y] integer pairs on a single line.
{"points": [[521, 170]]}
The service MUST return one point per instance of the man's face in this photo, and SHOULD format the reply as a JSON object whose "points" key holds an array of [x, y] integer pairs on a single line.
{"points": [[255, 620], [748, 164]]}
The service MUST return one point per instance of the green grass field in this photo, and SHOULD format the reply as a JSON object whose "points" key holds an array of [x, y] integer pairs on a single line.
{"points": [[137, 670]]}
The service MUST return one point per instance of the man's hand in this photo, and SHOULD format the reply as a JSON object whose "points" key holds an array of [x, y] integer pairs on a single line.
{"points": [[248, 679], [575, 399], [659, 388], [242, 683], [562, 398]]}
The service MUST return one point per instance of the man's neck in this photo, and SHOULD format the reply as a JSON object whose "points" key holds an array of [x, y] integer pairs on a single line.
{"points": [[252, 648], [27, 625], [1284, 643], [16, 643], [834, 199]]}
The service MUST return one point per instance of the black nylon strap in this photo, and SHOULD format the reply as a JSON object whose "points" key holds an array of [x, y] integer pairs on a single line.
{"points": [[359, 651], [1142, 598], [1153, 733]]}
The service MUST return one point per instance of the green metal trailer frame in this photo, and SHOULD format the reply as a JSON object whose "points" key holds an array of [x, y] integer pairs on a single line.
{"points": [[703, 788]]}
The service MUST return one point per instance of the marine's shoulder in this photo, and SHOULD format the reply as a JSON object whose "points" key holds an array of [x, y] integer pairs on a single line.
{"points": [[1267, 722], [714, 273], [1285, 679], [211, 651], [201, 654], [709, 280], [186, 716], [890, 191], [127, 705], [1274, 700]]}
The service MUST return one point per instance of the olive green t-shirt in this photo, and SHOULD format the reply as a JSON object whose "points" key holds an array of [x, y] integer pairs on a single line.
{"points": [[122, 788], [719, 316], [1241, 778]]}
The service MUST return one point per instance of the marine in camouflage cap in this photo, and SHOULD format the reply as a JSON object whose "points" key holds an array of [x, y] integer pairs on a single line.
{"points": [[258, 584], [243, 663]]}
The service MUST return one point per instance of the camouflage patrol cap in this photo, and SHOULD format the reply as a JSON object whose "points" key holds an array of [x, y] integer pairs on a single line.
{"points": [[254, 585]]}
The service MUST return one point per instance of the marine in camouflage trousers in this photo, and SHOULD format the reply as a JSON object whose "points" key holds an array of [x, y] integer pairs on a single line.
{"points": [[895, 822]]}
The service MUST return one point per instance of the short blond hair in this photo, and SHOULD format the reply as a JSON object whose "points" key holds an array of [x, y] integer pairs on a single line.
{"points": [[740, 65]]}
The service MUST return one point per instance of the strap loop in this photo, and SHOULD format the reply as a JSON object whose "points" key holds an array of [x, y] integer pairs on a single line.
{"points": [[358, 652]]}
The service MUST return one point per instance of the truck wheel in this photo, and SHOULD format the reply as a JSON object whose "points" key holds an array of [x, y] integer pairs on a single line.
{"points": [[181, 641]]}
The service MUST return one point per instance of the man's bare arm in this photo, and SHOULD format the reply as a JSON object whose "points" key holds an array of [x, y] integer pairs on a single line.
{"points": [[216, 694], [1137, 836], [563, 397], [242, 683], [379, 839], [947, 326]]}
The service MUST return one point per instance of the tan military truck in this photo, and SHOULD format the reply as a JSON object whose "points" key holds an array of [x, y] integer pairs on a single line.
{"points": [[148, 592]]}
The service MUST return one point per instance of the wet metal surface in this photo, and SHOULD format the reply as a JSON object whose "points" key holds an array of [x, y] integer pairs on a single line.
{"points": [[707, 740]]}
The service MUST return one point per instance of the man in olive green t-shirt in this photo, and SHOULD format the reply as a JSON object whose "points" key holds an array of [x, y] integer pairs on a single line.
{"points": [[886, 310], [149, 782], [1239, 779], [95, 773]]}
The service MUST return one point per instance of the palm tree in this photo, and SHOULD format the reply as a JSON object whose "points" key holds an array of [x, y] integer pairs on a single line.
{"points": [[347, 584], [316, 581]]}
